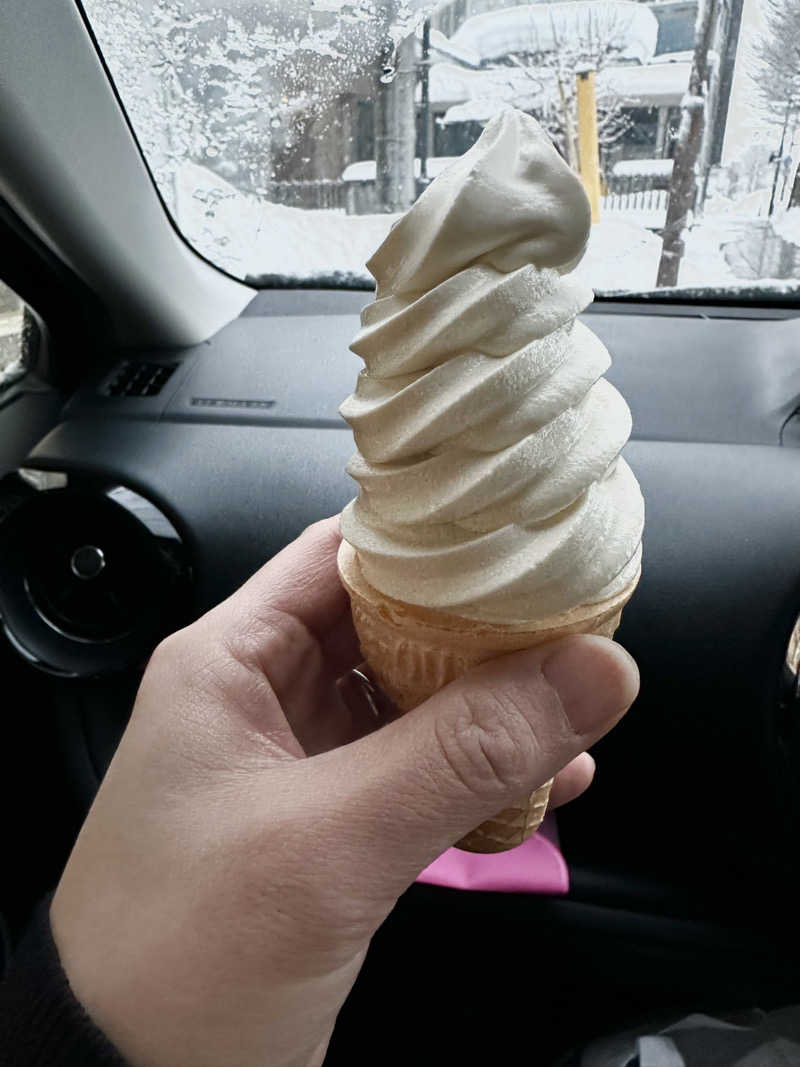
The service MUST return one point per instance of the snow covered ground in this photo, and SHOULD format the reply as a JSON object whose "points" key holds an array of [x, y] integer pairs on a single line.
{"points": [[255, 239], [623, 256], [788, 226], [269, 242]]}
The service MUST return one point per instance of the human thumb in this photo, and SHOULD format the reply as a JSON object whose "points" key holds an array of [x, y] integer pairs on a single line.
{"points": [[410, 790]]}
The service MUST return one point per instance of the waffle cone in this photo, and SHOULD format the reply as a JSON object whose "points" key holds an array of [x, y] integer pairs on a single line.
{"points": [[413, 651]]}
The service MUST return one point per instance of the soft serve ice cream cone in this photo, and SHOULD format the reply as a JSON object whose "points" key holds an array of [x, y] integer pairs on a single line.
{"points": [[494, 510]]}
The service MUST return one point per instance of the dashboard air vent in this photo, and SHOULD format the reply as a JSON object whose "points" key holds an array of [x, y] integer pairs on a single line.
{"points": [[137, 378], [91, 581]]}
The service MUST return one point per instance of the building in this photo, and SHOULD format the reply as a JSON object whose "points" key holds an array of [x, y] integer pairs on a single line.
{"points": [[486, 55], [516, 55], [482, 56]]}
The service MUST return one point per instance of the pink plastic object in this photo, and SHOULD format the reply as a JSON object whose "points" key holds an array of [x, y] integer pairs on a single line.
{"points": [[535, 866]]}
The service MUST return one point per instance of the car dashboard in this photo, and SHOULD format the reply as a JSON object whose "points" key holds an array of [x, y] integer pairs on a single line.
{"points": [[188, 468]]}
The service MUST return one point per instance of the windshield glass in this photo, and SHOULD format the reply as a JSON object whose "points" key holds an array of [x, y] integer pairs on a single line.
{"points": [[286, 137]]}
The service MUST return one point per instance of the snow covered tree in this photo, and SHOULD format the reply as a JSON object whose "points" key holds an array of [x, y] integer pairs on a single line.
{"points": [[688, 147], [558, 43], [775, 77], [775, 73]]}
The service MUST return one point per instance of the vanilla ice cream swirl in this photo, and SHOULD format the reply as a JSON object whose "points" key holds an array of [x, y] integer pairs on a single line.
{"points": [[491, 484]]}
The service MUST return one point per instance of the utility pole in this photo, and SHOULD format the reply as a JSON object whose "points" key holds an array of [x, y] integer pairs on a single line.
{"points": [[425, 102], [395, 131], [683, 187], [588, 151]]}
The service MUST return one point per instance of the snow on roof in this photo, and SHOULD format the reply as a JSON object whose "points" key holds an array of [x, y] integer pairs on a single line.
{"points": [[673, 57], [445, 47], [364, 171], [640, 168], [449, 84], [482, 110], [543, 27], [656, 85]]}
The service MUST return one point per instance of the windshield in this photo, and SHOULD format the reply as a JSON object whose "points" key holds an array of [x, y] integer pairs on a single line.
{"points": [[286, 137]]}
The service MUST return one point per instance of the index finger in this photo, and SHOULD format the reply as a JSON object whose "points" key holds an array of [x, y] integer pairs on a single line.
{"points": [[301, 581]]}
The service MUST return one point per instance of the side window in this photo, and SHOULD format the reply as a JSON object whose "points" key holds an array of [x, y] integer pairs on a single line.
{"points": [[16, 336]]}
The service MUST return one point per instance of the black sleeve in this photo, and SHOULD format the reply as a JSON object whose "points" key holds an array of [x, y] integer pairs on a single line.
{"points": [[41, 1022]]}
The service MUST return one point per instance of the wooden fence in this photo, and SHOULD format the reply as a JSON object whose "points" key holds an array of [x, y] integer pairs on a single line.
{"points": [[353, 197], [645, 202], [319, 195], [637, 183], [637, 195], [643, 195]]}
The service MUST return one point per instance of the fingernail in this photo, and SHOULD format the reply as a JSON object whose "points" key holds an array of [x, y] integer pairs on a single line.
{"points": [[596, 680]]}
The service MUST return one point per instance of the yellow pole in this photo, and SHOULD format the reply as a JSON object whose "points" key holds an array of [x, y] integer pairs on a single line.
{"points": [[588, 152]]}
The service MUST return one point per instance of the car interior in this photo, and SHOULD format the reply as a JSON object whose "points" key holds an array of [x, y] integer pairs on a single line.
{"points": [[175, 427]]}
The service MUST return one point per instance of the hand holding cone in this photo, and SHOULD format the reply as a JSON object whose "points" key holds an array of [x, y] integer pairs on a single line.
{"points": [[413, 652]]}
